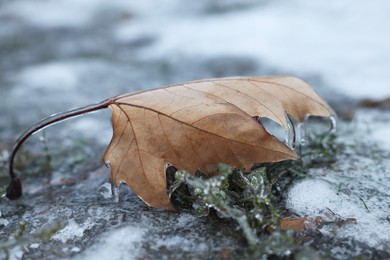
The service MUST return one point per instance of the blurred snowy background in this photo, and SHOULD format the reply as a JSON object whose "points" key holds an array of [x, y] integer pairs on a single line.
{"points": [[59, 54]]}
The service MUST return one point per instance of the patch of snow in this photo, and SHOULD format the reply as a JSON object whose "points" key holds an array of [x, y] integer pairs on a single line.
{"points": [[316, 197], [34, 245], [16, 253], [344, 41], [75, 13], [312, 197], [356, 185], [93, 126], [71, 231], [50, 76], [376, 126], [123, 243], [381, 135], [4, 222], [51, 14], [75, 249]]}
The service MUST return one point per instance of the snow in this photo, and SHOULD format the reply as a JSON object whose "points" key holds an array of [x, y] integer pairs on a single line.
{"points": [[316, 197], [376, 125], [299, 36], [356, 186], [124, 243], [51, 14], [74, 13], [16, 253], [346, 42], [305, 196], [71, 231], [50, 76], [381, 135], [34, 245], [4, 222]]}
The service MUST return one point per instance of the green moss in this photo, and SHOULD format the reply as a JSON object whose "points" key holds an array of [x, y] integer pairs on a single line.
{"points": [[252, 199]]}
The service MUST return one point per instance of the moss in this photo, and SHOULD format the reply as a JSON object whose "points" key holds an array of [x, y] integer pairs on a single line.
{"points": [[252, 199]]}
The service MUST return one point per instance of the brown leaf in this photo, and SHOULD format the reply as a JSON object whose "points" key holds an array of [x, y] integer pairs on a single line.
{"points": [[301, 224], [296, 224], [199, 124]]}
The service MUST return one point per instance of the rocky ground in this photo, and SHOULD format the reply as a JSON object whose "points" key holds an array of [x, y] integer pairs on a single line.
{"points": [[56, 55]]}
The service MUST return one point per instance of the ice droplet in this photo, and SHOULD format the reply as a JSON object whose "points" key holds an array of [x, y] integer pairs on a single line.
{"points": [[105, 190], [109, 191], [41, 138], [333, 121], [299, 132], [302, 133], [115, 192], [108, 164], [290, 135]]}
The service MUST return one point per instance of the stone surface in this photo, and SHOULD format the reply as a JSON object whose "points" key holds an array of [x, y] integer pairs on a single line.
{"points": [[56, 55]]}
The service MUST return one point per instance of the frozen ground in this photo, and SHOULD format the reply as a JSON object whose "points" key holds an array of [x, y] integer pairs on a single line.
{"points": [[56, 55], [355, 186]]}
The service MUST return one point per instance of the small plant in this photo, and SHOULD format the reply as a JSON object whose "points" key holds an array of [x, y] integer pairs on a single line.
{"points": [[233, 194], [251, 199]]}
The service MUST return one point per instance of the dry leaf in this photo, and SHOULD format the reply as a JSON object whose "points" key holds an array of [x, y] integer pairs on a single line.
{"points": [[199, 124], [296, 224]]}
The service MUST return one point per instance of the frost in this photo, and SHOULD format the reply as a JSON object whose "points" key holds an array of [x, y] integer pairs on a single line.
{"points": [[124, 243], [375, 126], [320, 198], [339, 29], [75, 249], [356, 186], [313, 197], [16, 253], [4, 222], [184, 244], [55, 14], [49, 76], [353, 37], [71, 231], [34, 245], [185, 220], [56, 55]]}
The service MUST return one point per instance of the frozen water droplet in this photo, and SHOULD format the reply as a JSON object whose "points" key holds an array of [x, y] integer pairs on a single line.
{"points": [[290, 135], [109, 191], [319, 124], [298, 133], [108, 164], [105, 190], [302, 133], [333, 121], [41, 138], [115, 192]]}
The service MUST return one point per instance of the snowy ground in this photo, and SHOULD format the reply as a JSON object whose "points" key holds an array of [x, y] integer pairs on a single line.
{"points": [[355, 186], [56, 55]]}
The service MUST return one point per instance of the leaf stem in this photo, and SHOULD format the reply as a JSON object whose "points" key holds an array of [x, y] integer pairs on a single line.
{"points": [[14, 189]]}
